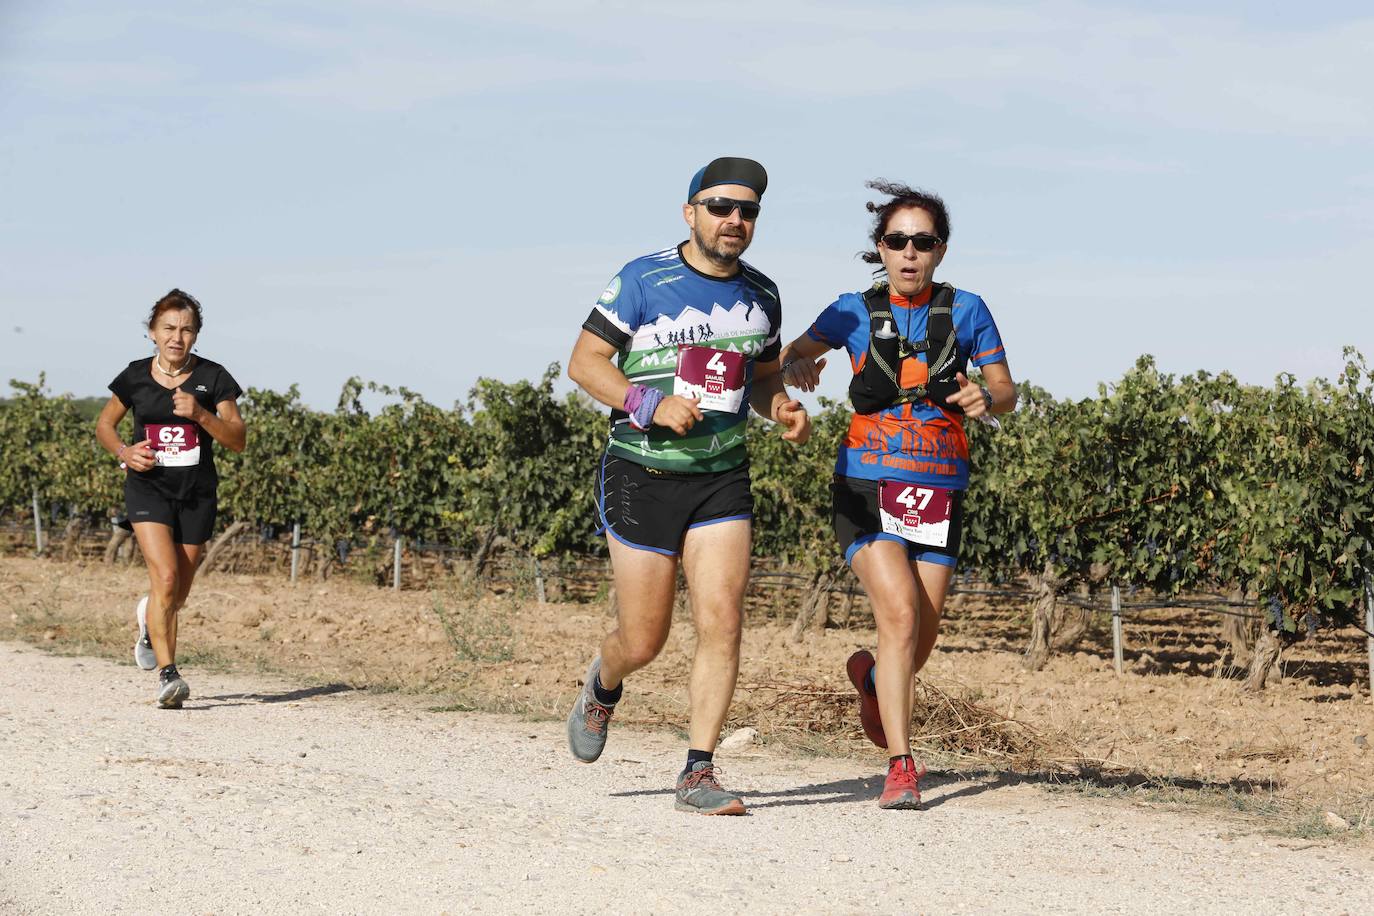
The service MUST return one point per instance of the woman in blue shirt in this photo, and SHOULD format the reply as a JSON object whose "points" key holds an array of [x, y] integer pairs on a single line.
{"points": [[903, 466]]}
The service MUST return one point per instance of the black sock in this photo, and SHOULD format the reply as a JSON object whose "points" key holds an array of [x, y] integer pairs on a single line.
{"points": [[693, 755], [606, 697], [168, 673]]}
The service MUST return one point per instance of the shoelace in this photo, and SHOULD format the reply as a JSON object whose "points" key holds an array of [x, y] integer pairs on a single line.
{"points": [[596, 715], [901, 775], [706, 776]]}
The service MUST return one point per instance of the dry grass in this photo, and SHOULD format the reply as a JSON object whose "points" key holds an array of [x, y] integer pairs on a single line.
{"points": [[944, 723]]}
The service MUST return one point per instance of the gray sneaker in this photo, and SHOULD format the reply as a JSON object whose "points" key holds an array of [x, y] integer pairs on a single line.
{"points": [[144, 656], [173, 690], [698, 790], [588, 721]]}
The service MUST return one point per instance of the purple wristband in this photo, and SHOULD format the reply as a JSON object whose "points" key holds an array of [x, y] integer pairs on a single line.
{"points": [[641, 402]]}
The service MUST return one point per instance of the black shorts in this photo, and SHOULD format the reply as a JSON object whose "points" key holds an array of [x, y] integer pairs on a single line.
{"points": [[649, 509], [192, 520], [854, 513]]}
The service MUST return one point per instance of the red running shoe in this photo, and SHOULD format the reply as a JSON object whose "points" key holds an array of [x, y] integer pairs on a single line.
{"points": [[902, 790], [858, 667]]}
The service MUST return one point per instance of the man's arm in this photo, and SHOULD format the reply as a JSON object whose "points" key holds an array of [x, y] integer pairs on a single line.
{"points": [[770, 400], [591, 367]]}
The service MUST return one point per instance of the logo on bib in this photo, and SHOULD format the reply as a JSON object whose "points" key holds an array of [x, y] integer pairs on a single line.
{"points": [[714, 377]]}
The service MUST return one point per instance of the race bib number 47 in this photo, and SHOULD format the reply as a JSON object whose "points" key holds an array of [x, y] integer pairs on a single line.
{"points": [[715, 377], [175, 445], [915, 513]]}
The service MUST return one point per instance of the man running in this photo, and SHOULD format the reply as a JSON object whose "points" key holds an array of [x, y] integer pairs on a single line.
{"points": [[693, 332]]}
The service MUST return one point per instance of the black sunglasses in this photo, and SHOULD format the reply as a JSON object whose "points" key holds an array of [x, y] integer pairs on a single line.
{"points": [[897, 241], [723, 206]]}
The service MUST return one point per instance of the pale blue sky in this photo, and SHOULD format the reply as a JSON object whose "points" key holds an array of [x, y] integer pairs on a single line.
{"points": [[424, 192]]}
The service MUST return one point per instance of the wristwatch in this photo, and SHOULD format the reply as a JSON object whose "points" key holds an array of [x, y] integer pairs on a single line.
{"points": [[987, 397]]}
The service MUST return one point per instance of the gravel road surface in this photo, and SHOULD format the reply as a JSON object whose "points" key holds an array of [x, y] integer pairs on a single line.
{"points": [[265, 796]]}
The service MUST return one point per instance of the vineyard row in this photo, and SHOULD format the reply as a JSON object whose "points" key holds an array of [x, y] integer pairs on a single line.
{"points": [[1159, 483]]}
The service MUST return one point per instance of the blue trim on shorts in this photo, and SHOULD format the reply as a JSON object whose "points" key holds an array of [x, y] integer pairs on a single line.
{"points": [[713, 521], [605, 523], [864, 539], [914, 552], [666, 553]]}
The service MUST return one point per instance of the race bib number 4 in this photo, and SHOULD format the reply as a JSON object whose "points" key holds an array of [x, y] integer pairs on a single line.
{"points": [[715, 377], [915, 513], [175, 445]]}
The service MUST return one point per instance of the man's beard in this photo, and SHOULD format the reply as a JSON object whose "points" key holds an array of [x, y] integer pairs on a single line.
{"points": [[717, 253]]}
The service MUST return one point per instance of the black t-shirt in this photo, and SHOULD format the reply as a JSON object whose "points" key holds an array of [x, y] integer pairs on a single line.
{"points": [[184, 472]]}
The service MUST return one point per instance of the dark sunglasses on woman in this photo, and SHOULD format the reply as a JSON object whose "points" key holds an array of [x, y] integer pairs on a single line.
{"points": [[897, 241]]}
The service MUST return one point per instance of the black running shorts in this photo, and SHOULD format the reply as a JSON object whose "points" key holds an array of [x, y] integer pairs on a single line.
{"points": [[649, 509], [854, 513], [192, 520]]}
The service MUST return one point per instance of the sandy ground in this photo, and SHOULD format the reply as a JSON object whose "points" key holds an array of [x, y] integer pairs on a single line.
{"points": [[266, 796], [1176, 716]]}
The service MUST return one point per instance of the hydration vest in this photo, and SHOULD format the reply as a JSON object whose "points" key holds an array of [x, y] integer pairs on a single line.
{"points": [[877, 385]]}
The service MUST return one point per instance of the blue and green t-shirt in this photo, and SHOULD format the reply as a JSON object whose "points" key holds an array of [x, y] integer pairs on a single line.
{"points": [[659, 303]]}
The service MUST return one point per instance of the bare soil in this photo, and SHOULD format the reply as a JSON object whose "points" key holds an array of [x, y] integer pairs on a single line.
{"points": [[1177, 725]]}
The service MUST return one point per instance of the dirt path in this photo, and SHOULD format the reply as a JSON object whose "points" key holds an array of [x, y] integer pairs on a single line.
{"points": [[262, 796]]}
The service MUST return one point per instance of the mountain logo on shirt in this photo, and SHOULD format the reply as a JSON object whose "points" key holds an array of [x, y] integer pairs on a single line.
{"points": [[201, 388]]}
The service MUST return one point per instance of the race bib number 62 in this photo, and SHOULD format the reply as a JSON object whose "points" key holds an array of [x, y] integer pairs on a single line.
{"points": [[914, 512], [175, 445], [715, 377]]}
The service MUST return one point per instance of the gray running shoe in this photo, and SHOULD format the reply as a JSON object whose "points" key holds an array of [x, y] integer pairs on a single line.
{"points": [[698, 790], [144, 656], [588, 721], [173, 690]]}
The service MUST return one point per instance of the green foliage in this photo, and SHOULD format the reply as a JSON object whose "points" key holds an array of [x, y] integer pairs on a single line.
{"points": [[267, 482], [1200, 482], [1158, 482], [791, 488], [531, 475], [50, 447]]}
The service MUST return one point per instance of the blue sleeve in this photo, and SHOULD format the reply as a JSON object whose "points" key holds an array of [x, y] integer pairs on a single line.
{"points": [[978, 333], [834, 326], [772, 347]]}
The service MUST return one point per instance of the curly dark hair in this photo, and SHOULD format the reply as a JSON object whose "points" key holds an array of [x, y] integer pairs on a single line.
{"points": [[903, 196], [176, 299]]}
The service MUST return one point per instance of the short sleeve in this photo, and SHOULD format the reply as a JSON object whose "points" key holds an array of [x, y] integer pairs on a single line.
{"points": [[618, 312], [226, 389], [772, 347], [984, 341], [834, 326], [123, 389]]}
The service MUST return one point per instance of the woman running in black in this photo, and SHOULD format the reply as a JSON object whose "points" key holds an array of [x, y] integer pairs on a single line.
{"points": [[182, 405]]}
